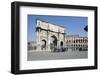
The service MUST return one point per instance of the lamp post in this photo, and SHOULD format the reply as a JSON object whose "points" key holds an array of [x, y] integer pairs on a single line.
{"points": [[86, 28]]}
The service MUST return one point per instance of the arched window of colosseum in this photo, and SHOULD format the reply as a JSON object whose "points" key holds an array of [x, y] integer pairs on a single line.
{"points": [[74, 41]]}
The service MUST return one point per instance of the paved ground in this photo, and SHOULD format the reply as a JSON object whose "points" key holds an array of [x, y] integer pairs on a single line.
{"points": [[57, 55]]}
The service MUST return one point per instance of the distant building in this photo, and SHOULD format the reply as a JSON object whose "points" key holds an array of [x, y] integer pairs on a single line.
{"points": [[75, 42], [32, 45]]}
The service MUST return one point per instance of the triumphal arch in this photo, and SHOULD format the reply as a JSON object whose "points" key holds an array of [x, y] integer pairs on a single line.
{"points": [[49, 35]]}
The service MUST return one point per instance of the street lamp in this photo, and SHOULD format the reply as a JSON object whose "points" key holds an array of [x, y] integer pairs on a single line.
{"points": [[86, 28]]}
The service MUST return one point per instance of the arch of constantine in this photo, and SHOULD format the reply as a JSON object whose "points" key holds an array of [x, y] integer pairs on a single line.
{"points": [[49, 35]]}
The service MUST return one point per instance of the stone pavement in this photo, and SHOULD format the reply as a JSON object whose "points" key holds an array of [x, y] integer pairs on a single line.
{"points": [[57, 55]]}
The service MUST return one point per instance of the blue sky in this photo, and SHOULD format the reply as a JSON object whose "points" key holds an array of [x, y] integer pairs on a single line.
{"points": [[72, 24]]}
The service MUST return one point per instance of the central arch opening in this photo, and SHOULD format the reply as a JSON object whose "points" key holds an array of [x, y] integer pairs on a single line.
{"points": [[61, 43], [43, 44], [54, 40]]}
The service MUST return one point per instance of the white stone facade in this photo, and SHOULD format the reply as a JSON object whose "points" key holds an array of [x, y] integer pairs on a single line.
{"points": [[76, 42]]}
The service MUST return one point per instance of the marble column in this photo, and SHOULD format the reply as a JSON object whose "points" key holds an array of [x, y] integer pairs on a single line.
{"points": [[64, 41], [58, 43], [38, 40], [49, 37]]}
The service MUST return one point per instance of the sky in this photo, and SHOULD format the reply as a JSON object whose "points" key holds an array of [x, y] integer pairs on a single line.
{"points": [[73, 24]]}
